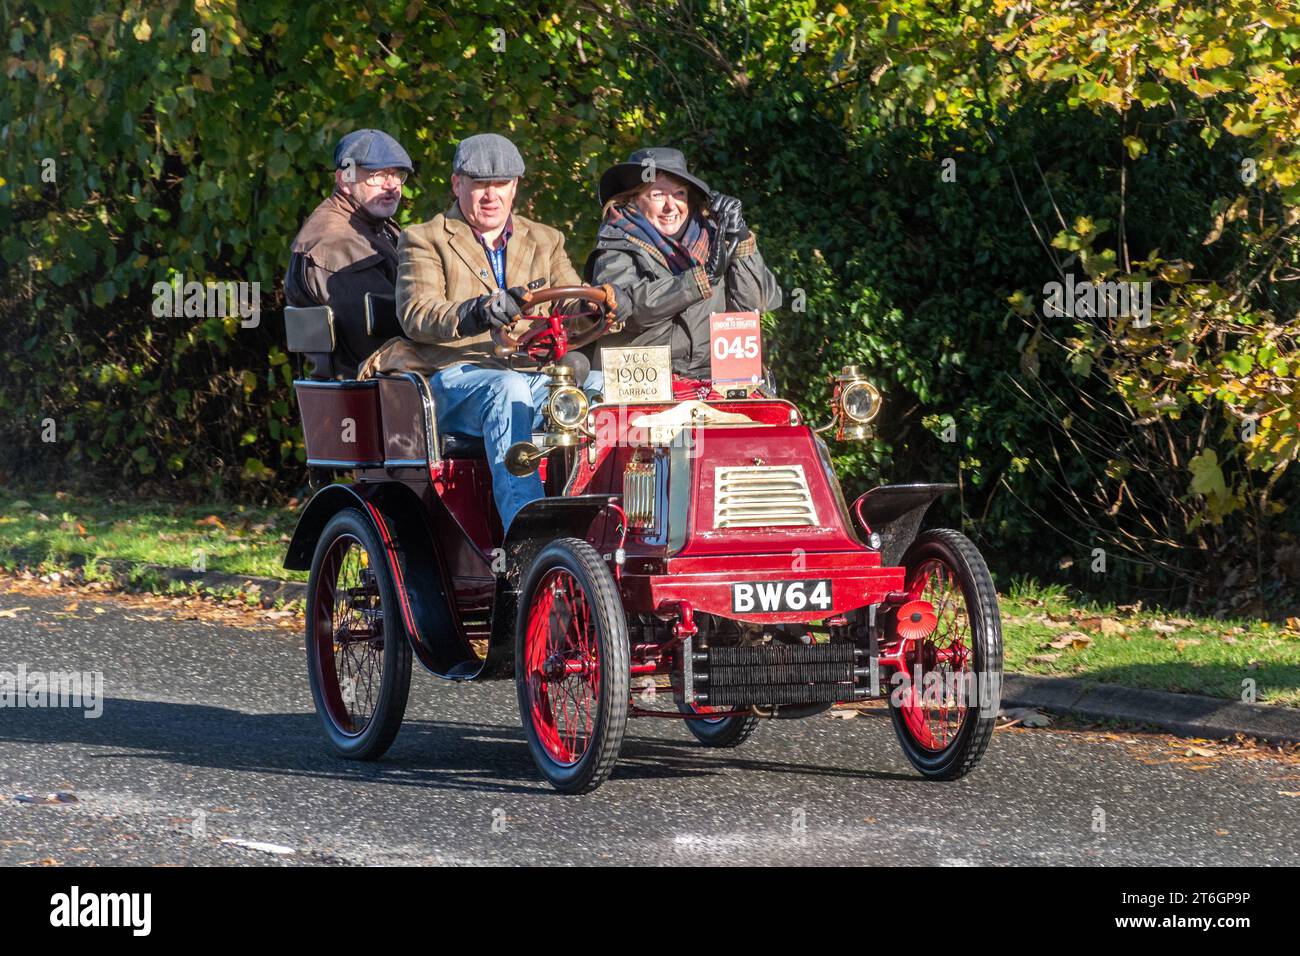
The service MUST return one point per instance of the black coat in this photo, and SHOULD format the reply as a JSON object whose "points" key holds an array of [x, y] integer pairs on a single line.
{"points": [[674, 310]]}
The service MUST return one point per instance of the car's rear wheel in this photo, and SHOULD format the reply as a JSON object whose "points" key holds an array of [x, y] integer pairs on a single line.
{"points": [[718, 731], [571, 665], [945, 721], [358, 660]]}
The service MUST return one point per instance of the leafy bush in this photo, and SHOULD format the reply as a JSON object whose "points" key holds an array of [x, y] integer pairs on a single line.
{"points": [[916, 173]]}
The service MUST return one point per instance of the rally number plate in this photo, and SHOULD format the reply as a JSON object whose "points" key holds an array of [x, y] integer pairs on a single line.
{"points": [[759, 597]]}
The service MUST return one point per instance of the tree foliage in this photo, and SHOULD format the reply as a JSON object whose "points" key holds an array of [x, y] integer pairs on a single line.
{"points": [[917, 174]]}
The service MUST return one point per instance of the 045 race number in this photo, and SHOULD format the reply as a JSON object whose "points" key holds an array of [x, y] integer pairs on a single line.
{"points": [[766, 596]]}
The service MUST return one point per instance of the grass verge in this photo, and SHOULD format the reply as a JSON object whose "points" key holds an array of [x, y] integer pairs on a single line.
{"points": [[57, 530], [1048, 631]]}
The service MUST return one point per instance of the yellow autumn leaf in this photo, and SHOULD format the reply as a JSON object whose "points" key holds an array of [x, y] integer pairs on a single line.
{"points": [[1216, 56]]}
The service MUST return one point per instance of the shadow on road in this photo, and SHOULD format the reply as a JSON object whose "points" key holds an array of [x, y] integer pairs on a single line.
{"points": [[428, 753]]}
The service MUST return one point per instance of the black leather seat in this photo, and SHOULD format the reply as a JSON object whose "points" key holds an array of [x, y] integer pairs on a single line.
{"points": [[462, 446]]}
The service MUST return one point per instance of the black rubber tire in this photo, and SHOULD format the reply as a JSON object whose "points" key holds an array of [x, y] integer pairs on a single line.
{"points": [[395, 675], [592, 575], [961, 755], [726, 732]]}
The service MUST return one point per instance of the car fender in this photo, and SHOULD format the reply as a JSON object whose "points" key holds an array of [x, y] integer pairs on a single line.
{"points": [[413, 563], [534, 526], [894, 512]]}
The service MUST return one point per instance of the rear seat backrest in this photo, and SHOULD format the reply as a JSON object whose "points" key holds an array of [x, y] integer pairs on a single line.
{"points": [[309, 332], [381, 317]]}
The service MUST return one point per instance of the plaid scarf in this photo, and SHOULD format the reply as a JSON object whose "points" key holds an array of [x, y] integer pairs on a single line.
{"points": [[681, 254]]}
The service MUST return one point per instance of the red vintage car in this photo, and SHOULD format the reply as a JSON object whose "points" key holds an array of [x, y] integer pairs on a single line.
{"points": [[690, 559]]}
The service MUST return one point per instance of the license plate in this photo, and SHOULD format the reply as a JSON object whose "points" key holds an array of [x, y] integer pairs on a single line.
{"points": [[760, 597]]}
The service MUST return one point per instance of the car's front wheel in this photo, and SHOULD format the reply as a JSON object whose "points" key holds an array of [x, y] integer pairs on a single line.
{"points": [[946, 706], [571, 665]]}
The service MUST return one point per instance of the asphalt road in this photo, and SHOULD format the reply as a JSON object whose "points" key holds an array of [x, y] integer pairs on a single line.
{"points": [[208, 733]]}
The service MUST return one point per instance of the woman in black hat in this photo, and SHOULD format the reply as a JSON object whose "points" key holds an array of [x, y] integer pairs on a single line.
{"points": [[681, 252]]}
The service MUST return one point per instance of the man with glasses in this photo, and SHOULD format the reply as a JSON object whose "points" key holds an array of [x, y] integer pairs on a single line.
{"points": [[348, 245]]}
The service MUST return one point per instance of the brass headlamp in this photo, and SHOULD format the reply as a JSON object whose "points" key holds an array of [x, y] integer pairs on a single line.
{"points": [[565, 411], [854, 404]]}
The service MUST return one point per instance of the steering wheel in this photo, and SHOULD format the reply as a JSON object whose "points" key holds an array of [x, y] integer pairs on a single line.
{"points": [[547, 338]]}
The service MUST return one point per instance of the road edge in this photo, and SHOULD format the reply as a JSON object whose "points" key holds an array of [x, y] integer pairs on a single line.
{"points": [[1190, 715]]}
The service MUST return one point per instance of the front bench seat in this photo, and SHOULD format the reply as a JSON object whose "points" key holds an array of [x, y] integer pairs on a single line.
{"points": [[452, 445]]}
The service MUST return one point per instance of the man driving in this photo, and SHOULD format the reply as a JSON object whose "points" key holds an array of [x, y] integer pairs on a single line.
{"points": [[348, 245], [461, 280]]}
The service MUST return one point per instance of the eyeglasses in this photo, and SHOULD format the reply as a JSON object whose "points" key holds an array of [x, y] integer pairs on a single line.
{"points": [[375, 177]]}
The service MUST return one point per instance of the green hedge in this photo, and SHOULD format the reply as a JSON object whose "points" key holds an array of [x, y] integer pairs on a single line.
{"points": [[197, 154]]}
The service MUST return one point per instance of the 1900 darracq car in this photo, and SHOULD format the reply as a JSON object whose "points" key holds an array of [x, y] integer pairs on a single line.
{"points": [[690, 559]]}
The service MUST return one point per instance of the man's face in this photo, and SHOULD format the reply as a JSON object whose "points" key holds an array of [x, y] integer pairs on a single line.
{"points": [[665, 203], [486, 204], [378, 191]]}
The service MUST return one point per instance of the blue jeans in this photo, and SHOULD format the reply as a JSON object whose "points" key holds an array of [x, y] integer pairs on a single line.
{"points": [[502, 407]]}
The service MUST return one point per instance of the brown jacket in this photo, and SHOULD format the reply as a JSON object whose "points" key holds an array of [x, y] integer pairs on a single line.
{"points": [[340, 254], [441, 265]]}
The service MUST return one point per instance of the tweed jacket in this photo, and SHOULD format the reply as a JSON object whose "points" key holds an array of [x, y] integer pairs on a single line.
{"points": [[441, 264]]}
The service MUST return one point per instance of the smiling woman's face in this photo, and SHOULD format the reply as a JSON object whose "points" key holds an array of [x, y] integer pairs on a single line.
{"points": [[666, 203]]}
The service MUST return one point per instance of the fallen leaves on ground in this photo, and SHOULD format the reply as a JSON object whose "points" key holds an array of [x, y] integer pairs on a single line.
{"points": [[1075, 640], [1041, 658], [1024, 716], [1154, 747], [99, 598], [50, 799]]}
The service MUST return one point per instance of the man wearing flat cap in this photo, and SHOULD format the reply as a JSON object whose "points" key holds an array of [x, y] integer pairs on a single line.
{"points": [[461, 279], [348, 245]]}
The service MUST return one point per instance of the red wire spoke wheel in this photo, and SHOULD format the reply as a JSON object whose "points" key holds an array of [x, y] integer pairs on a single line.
{"points": [[358, 660], [718, 731], [945, 712], [571, 666]]}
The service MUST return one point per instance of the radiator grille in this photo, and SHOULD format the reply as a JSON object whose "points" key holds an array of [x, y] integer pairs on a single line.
{"points": [[762, 496], [639, 494]]}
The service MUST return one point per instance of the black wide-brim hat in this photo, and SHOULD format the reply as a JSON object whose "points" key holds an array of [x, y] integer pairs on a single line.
{"points": [[627, 175]]}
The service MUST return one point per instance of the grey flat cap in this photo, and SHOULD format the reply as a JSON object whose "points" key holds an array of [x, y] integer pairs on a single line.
{"points": [[371, 149], [487, 156]]}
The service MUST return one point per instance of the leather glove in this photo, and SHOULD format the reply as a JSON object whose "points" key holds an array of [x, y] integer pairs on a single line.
{"points": [[715, 265], [493, 311], [726, 212], [611, 299]]}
